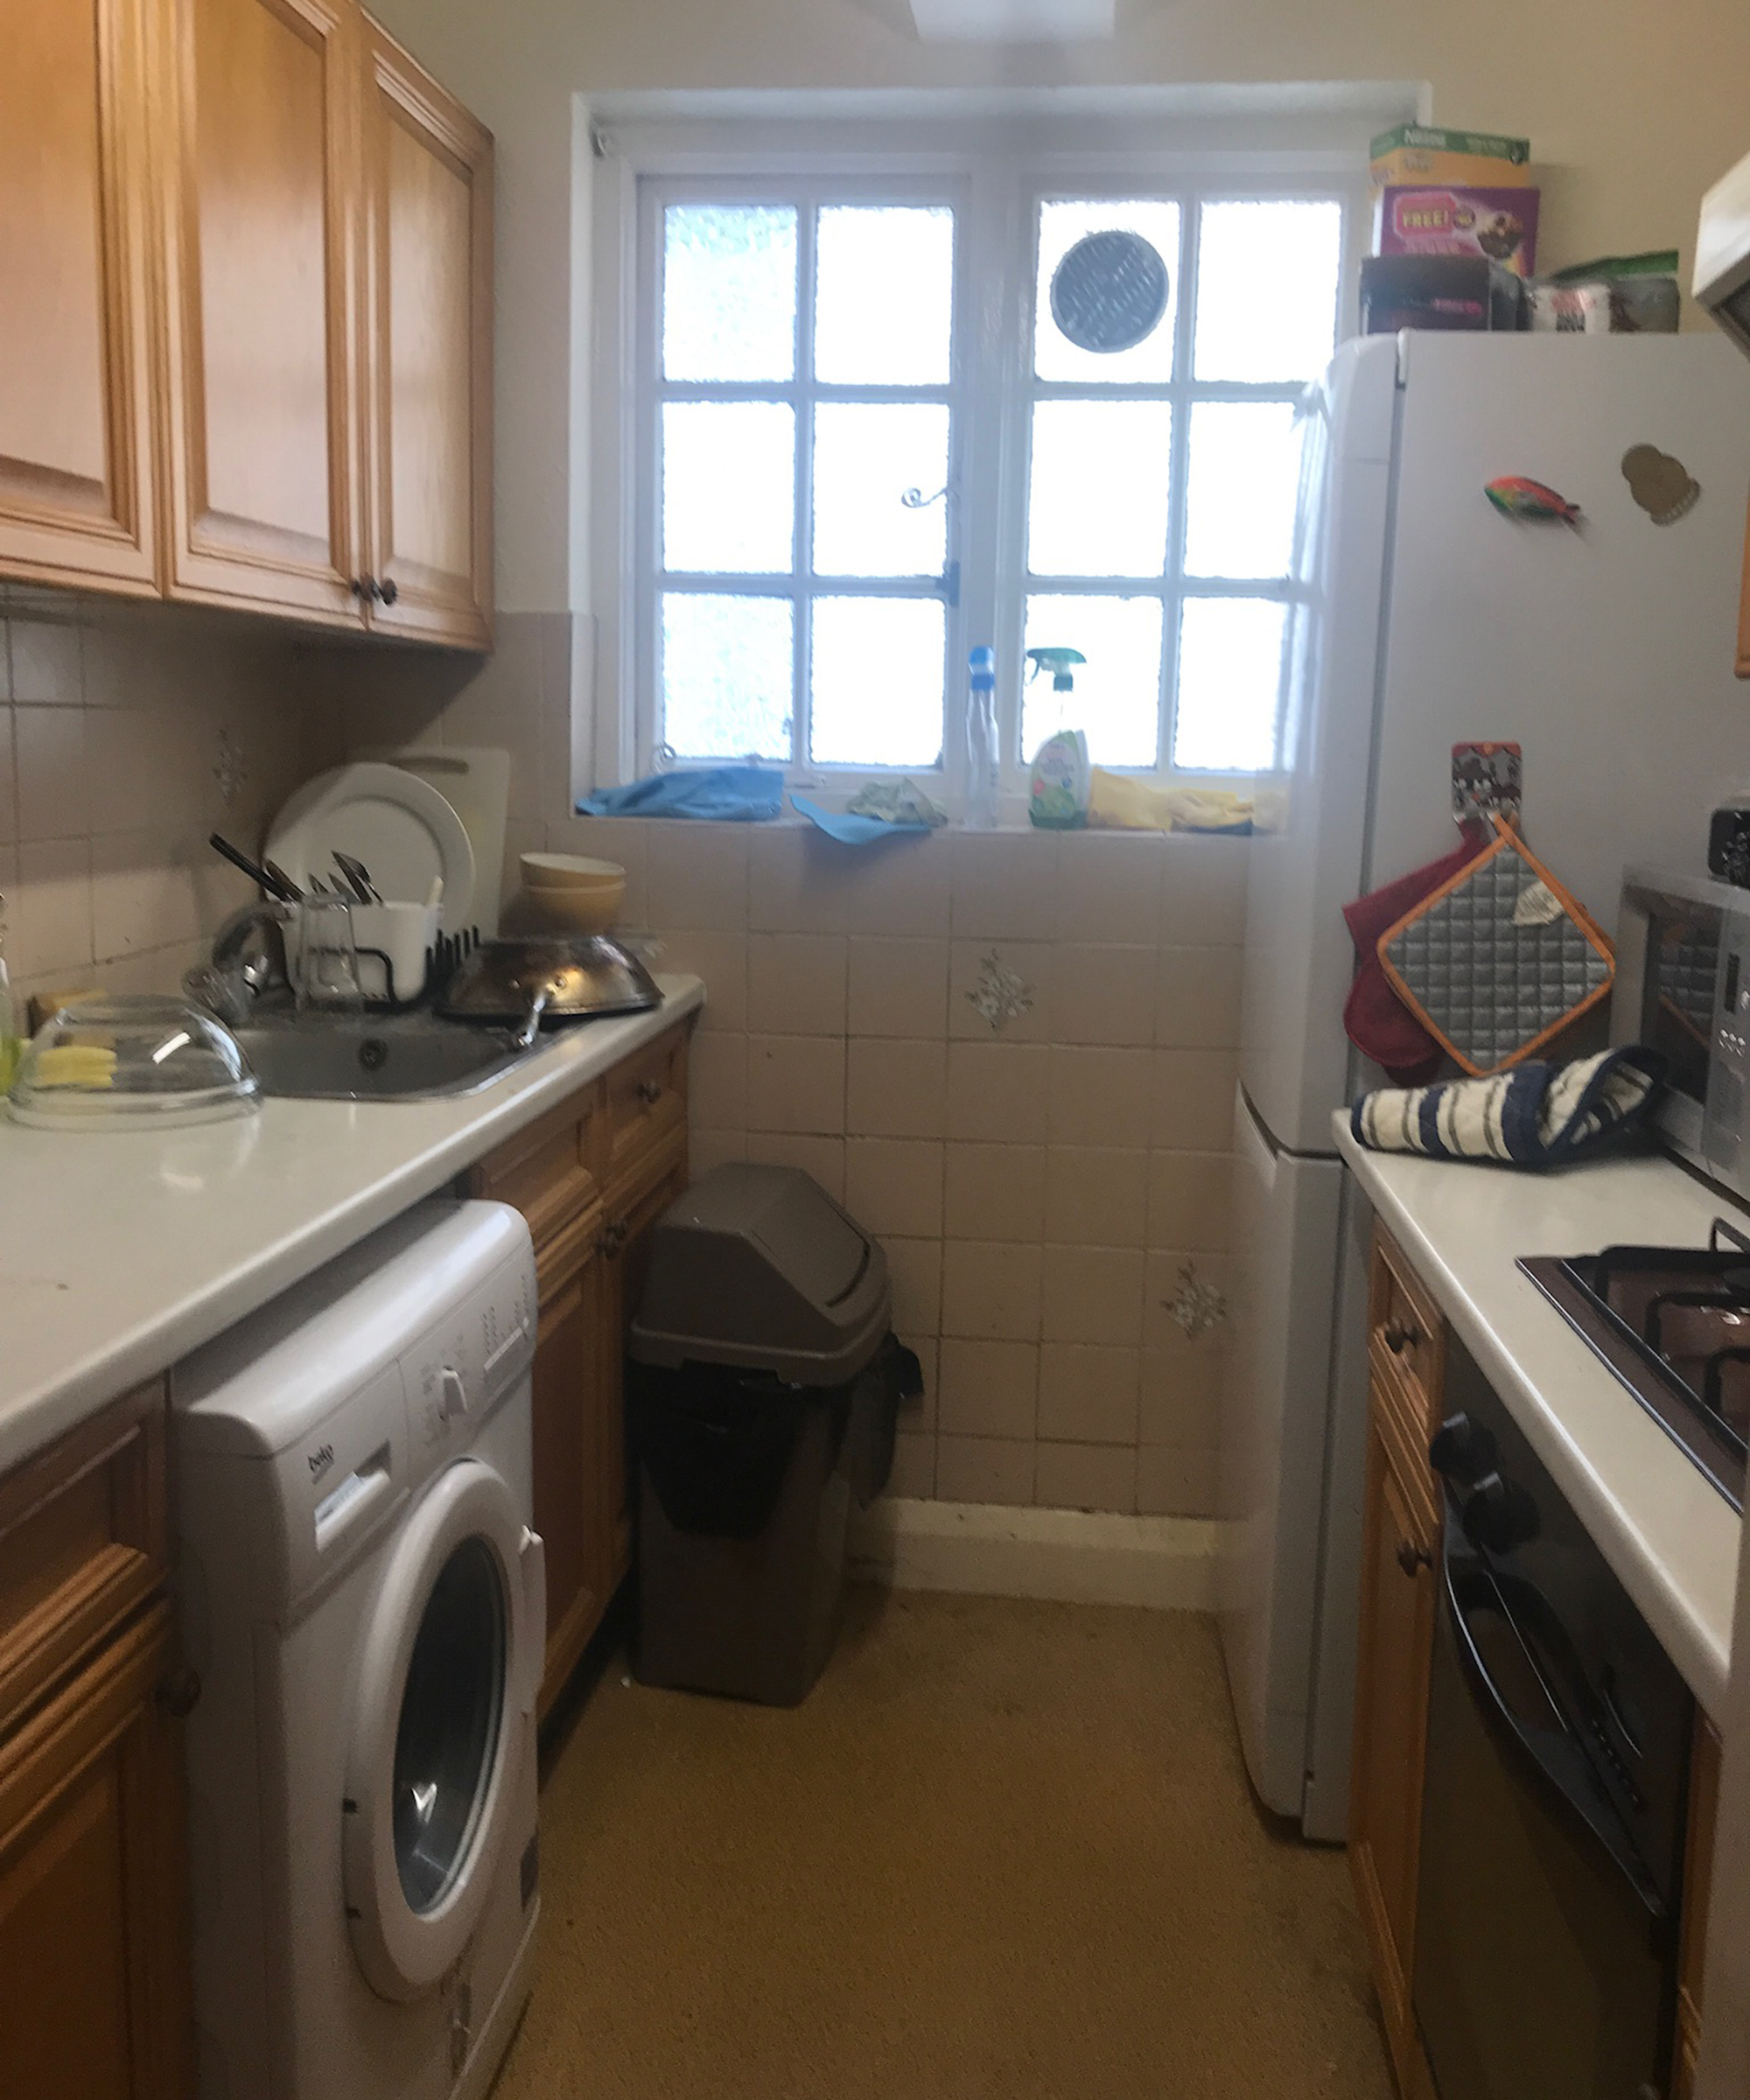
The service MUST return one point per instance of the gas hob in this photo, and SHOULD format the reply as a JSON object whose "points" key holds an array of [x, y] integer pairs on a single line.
{"points": [[1674, 1324]]}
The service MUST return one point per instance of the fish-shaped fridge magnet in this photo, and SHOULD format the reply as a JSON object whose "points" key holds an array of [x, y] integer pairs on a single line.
{"points": [[1517, 496]]}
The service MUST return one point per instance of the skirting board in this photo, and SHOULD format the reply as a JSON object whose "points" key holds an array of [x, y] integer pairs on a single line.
{"points": [[1074, 1556]]}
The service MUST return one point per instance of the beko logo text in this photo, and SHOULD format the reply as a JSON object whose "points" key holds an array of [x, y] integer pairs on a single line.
{"points": [[319, 1460]]}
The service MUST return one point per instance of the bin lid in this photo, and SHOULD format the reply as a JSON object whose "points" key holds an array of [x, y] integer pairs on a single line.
{"points": [[758, 1267]]}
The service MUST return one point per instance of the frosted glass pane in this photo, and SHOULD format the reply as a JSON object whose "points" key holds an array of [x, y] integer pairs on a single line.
{"points": [[1267, 280], [729, 291], [884, 295], [729, 486], [1097, 505], [728, 667], [1116, 699], [1063, 222], [866, 458], [1230, 684], [878, 681], [1245, 477]]}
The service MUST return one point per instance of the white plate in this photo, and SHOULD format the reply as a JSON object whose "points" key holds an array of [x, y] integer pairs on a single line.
{"points": [[397, 824]]}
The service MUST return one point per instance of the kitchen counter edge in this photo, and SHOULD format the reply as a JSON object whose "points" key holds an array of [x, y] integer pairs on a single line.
{"points": [[62, 1362]]}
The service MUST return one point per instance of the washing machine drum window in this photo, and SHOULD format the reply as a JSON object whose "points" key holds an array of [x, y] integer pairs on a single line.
{"points": [[449, 1715], [451, 1662]]}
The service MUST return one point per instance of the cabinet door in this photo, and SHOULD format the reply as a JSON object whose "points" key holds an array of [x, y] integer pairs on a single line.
{"points": [[262, 234], [428, 336], [1391, 1704], [625, 1239], [92, 1932], [76, 483], [1744, 615], [567, 1385]]}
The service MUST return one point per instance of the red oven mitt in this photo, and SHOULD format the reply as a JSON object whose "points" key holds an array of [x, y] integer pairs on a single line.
{"points": [[1376, 1021]]}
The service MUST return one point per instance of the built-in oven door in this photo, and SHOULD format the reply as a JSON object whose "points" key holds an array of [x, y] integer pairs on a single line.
{"points": [[1544, 1955]]}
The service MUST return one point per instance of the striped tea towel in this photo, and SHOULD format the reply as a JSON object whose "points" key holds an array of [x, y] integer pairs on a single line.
{"points": [[1533, 1115]]}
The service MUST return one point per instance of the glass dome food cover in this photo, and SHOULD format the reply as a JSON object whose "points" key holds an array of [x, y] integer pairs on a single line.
{"points": [[139, 1063]]}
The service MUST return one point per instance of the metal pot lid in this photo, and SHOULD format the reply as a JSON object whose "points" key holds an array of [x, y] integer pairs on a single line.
{"points": [[577, 974]]}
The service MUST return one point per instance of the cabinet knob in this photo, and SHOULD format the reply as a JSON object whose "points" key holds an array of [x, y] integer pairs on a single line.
{"points": [[388, 591], [615, 1233], [1399, 1336], [179, 1694], [364, 588], [650, 1091], [1412, 1559]]}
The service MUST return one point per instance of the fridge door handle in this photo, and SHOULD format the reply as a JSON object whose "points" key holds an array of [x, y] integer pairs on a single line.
{"points": [[1553, 1759]]}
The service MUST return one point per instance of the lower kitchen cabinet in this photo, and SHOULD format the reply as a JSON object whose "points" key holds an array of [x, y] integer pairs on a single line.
{"points": [[93, 1936], [1391, 1712], [1697, 1887], [592, 1177]]}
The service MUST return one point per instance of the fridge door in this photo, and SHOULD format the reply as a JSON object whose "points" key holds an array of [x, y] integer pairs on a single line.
{"points": [[1307, 859], [1275, 1419], [1606, 651]]}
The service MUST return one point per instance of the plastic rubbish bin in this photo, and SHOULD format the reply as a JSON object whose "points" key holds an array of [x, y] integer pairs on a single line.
{"points": [[763, 1384]]}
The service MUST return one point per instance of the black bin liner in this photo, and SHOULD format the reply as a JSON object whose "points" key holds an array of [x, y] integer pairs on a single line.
{"points": [[716, 1443]]}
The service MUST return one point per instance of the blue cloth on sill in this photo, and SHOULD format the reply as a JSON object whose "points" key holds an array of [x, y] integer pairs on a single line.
{"points": [[850, 830], [720, 795]]}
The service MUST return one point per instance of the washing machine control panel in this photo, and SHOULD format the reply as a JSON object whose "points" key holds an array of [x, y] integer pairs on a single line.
{"points": [[456, 1372]]}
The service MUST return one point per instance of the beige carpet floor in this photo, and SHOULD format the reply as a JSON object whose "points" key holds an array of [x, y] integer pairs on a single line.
{"points": [[1005, 1849]]}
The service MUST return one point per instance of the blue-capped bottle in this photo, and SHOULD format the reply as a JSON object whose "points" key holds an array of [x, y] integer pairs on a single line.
{"points": [[981, 743]]}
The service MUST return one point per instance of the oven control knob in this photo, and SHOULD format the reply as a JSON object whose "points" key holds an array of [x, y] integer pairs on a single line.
{"points": [[1497, 1516], [1462, 1450]]}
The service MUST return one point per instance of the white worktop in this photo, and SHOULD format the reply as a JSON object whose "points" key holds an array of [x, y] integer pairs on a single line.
{"points": [[123, 1251], [1672, 1538]]}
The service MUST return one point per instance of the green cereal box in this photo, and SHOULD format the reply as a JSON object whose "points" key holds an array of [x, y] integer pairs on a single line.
{"points": [[1413, 153]]}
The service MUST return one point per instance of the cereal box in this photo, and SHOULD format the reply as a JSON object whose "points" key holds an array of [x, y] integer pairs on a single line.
{"points": [[1420, 153], [1448, 218]]}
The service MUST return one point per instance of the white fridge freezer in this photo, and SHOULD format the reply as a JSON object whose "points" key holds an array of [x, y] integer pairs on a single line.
{"points": [[1423, 618]]}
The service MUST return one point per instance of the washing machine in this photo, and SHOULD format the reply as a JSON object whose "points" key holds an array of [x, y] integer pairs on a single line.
{"points": [[364, 1601]]}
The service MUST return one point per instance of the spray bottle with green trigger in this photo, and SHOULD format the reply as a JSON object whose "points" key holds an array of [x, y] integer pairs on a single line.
{"points": [[1060, 775]]}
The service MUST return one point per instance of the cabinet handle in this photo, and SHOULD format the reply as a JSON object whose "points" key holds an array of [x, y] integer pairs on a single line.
{"points": [[650, 1092], [179, 1694], [388, 591], [1398, 1337], [1413, 1559], [365, 588], [615, 1235]]}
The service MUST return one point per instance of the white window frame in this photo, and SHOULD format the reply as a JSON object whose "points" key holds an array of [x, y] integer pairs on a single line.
{"points": [[992, 181]]}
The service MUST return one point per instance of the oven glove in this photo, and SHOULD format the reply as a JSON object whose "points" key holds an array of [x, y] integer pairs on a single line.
{"points": [[1377, 1022], [1536, 1115]]}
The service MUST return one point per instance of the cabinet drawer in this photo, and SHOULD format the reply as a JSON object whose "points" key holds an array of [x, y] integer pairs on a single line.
{"points": [[83, 1541], [1406, 1336], [647, 1098], [547, 1169]]}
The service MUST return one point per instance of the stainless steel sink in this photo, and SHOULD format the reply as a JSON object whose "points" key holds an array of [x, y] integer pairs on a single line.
{"points": [[394, 1057]]}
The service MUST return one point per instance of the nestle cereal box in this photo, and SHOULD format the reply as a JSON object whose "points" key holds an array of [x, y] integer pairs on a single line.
{"points": [[1423, 153], [1449, 219]]}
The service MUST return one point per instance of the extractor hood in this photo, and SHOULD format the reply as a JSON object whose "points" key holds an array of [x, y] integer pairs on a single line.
{"points": [[1014, 21]]}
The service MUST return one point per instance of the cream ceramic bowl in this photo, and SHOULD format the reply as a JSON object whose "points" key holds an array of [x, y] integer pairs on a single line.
{"points": [[564, 893], [570, 872]]}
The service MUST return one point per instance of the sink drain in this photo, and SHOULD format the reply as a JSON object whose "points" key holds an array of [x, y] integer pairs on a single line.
{"points": [[374, 1053]]}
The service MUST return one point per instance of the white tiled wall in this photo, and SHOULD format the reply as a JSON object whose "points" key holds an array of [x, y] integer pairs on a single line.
{"points": [[126, 736], [1040, 1188]]}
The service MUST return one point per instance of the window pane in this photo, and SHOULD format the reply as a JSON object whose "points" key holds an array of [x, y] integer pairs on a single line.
{"points": [[1267, 280], [729, 291], [728, 665], [866, 458], [1117, 698], [1099, 493], [1230, 684], [729, 486], [878, 681], [1062, 222], [1245, 476], [884, 295]]}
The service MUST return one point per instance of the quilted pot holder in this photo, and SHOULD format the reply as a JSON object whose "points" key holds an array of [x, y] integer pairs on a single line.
{"points": [[1498, 959]]}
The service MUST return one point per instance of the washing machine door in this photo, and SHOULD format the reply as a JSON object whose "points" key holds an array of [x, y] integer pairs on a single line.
{"points": [[451, 1664]]}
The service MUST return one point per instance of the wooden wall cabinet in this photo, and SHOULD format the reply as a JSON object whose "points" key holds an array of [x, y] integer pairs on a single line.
{"points": [[93, 1932], [248, 359], [591, 1178], [78, 487]]}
